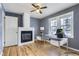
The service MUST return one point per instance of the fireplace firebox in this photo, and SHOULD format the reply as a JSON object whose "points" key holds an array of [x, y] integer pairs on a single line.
{"points": [[26, 36]]}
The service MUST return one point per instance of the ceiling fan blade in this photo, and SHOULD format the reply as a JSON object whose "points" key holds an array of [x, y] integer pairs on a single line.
{"points": [[43, 7], [34, 5], [40, 11], [32, 10]]}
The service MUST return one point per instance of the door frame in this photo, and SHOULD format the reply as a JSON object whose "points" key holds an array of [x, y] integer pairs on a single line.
{"points": [[5, 30]]}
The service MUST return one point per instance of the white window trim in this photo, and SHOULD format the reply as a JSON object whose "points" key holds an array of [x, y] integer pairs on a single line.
{"points": [[58, 18], [50, 24]]}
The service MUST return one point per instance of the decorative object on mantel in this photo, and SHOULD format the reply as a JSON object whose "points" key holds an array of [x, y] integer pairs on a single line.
{"points": [[38, 7]]}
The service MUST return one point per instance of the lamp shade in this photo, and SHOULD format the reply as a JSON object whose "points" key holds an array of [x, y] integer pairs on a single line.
{"points": [[41, 28]]}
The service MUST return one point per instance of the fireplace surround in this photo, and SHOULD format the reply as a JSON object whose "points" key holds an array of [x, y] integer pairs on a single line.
{"points": [[25, 36]]}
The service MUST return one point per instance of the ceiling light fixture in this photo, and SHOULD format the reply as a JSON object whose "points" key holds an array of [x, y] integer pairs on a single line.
{"points": [[38, 7]]}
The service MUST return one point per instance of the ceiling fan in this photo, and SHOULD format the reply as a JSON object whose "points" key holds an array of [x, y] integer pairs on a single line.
{"points": [[38, 7]]}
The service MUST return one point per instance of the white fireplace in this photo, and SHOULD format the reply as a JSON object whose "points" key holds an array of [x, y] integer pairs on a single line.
{"points": [[20, 37], [26, 27]]}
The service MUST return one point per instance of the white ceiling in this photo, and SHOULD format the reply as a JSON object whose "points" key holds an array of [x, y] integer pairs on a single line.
{"points": [[26, 7]]}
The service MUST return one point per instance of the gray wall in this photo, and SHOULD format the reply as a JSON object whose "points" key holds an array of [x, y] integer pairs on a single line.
{"points": [[35, 23], [0, 29], [73, 43], [45, 24]]}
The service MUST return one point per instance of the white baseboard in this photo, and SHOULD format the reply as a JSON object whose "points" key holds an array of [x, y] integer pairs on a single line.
{"points": [[72, 49]]}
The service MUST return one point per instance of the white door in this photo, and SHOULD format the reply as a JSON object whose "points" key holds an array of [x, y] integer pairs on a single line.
{"points": [[11, 31]]}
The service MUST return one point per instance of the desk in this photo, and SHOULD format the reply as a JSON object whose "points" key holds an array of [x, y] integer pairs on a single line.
{"points": [[59, 43]]}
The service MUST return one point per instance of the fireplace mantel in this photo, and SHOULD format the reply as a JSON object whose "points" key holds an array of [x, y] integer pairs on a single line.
{"points": [[19, 35]]}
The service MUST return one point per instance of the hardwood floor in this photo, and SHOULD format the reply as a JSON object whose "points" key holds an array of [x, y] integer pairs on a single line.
{"points": [[35, 49]]}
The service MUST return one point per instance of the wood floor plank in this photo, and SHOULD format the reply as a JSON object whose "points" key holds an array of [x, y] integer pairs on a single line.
{"points": [[23, 51], [6, 51], [13, 51], [34, 49], [29, 51], [19, 52], [37, 50]]}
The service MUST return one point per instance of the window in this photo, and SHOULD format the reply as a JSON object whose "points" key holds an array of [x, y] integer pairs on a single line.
{"points": [[64, 22], [53, 26]]}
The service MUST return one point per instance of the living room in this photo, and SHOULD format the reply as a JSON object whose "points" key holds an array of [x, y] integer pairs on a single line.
{"points": [[35, 27]]}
